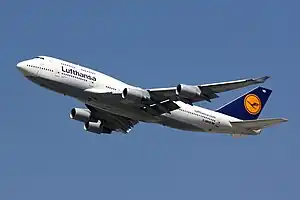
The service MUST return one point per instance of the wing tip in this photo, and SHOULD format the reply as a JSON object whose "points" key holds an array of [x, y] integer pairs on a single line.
{"points": [[284, 120], [262, 79]]}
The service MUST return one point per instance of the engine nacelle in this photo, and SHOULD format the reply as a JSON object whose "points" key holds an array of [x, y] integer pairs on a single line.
{"points": [[188, 91], [96, 127], [135, 95], [80, 114]]}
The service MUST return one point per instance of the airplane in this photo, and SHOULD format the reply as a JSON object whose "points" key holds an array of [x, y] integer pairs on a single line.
{"points": [[115, 106]]}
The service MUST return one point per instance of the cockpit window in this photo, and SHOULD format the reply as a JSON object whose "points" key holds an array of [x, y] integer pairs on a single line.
{"points": [[38, 57]]}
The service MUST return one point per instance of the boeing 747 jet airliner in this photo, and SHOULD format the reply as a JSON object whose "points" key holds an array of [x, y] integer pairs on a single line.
{"points": [[112, 105]]}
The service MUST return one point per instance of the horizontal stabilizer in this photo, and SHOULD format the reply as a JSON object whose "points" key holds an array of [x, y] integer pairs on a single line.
{"points": [[258, 123]]}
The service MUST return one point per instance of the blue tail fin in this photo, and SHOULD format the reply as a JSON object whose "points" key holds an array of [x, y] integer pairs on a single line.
{"points": [[248, 106]]}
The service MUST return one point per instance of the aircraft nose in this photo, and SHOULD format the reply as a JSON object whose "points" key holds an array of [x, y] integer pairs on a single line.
{"points": [[22, 67]]}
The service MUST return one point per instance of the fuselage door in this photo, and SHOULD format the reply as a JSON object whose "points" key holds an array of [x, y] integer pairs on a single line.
{"points": [[91, 83], [217, 124], [56, 72], [56, 68], [39, 66]]}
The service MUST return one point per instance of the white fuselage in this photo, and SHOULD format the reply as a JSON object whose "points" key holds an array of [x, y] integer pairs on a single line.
{"points": [[71, 79]]}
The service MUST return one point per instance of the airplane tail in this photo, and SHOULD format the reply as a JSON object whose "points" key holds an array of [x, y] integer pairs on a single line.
{"points": [[247, 106]]}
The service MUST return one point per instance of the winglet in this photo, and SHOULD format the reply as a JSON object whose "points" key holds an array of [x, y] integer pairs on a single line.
{"points": [[261, 79]]}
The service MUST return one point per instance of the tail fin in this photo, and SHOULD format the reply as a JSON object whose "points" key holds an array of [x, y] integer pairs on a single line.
{"points": [[247, 106]]}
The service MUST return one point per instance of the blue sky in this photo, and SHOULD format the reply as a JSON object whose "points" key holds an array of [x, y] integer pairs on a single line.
{"points": [[45, 155]]}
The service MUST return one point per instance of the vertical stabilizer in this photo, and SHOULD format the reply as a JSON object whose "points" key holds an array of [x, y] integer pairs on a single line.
{"points": [[247, 106]]}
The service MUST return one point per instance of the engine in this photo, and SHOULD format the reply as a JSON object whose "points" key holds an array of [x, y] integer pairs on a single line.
{"points": [[80, 114], [96, 127], [135, 95], [188, 91]]}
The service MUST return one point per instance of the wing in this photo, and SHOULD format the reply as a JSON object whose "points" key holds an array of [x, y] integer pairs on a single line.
{"points": [[196, 93], [161, 100], [111, 121], [152, 107]]}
